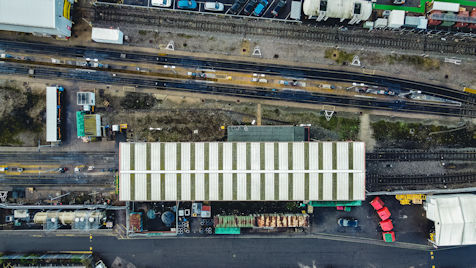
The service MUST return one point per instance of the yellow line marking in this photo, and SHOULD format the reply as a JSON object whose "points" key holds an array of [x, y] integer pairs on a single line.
{"points": [[432, 257], [431, 252], [77, 252], [432, 266], [91, 249], [37, 235]]}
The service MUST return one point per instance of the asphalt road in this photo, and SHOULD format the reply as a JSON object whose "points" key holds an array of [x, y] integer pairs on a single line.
{"points": [[229, 252], [97, 177], [225, 252]]}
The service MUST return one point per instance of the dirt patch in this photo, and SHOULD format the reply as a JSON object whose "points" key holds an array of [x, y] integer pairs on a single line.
{"points": [[366, 133], [21, 114]]}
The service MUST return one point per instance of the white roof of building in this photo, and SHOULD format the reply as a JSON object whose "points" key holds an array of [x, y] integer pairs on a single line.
{"points": [[106, 35], [454, 217], [343, 9], [445, 6], [51, 115], [34, 13], [242, 171], [396, 18]]}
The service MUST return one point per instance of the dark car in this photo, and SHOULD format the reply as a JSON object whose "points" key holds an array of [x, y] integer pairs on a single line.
{"points": [[236, 6], [250, 6], [278, 7], [348, 222]]}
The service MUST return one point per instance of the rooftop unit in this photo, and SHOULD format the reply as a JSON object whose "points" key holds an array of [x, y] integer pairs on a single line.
{"points": [[354, 10]]}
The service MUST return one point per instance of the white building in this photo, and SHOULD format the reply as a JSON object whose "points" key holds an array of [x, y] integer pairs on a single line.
{"points": [[105, 35], [39, 17], [355, 10], [53, 114], [242, 171], [454, 217]]}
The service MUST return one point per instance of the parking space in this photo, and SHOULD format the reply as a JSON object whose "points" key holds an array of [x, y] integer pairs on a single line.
{"points": [[266, 9]]}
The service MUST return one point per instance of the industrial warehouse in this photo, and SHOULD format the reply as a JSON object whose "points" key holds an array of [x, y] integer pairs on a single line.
{"points": [[39, 17], [324, 171]]}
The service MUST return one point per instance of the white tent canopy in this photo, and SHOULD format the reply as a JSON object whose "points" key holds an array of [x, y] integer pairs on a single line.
{"points": [[454, 217]]}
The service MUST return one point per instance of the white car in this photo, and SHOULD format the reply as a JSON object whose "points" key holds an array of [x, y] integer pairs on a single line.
{"points": [[214, 6], [161, 3]]}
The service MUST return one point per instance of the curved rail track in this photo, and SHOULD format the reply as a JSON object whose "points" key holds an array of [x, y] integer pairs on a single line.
{"points": [[236, 91], [113, 14]]}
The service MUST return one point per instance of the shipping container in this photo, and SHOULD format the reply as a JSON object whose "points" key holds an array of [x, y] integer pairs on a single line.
{"points": [[110, 36]]}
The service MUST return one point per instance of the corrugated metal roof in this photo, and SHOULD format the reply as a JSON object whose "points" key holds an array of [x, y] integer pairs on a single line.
{"points": [[32, 13], [332, 171], [51, 115], [265, 133], [454, 217]]}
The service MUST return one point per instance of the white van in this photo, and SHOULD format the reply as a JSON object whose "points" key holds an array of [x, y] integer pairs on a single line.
{"points": [[214, 6]]}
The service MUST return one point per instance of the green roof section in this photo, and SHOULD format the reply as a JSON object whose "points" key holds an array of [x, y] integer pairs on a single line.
{"points": [[232, 230], [80, 123], [335, 204], [266, 133], [421, 7]]}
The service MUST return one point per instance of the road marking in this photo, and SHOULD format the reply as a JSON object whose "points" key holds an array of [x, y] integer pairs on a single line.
{"points": [[90, 237], [77, 252], [91, 249], [431, 252], [432, 257], [37, 235]]}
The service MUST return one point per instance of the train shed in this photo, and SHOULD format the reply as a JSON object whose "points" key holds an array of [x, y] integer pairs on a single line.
{"points": [[242, 171]]}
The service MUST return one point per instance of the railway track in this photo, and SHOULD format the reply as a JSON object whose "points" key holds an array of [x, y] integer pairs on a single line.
{"points": [[113, 14], [228, 90], [394, 83], [420, 155], [374, 181]]}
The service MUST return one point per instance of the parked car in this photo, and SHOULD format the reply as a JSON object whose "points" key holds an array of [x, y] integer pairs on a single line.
{"points": [[250, 6], [214, 6], [237, 6], [161, 3], [260, 7], [278, 7], [348, 222], [186, 4]]}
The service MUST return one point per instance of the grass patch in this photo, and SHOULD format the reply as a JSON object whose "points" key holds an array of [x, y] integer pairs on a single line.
{"points": [[17, 119], [414, 135], [142, 32], [339, 56], [419, 61], [342, 128]]}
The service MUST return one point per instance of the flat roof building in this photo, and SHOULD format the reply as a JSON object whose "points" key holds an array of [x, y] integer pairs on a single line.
{"points": [[242, 171], [40, 17], [53, 114]]}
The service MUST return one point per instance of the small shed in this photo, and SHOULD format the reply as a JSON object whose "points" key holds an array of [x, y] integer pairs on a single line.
{"points": [[384, 213], [377, 203], [105, 35], [386, 225]]}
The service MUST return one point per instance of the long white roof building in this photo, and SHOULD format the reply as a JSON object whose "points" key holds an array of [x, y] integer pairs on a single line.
{"points": [[241, 171]]}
